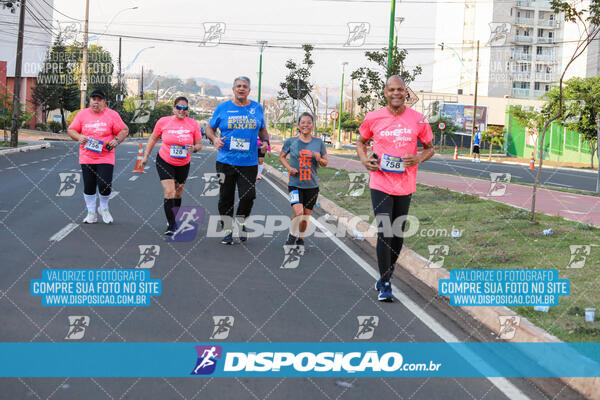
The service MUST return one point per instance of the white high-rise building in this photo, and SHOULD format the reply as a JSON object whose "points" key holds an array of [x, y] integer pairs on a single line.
{"points": [[523, 48]]}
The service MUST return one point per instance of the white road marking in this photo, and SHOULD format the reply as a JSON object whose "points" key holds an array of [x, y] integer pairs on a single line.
{"points": [[11, 167], [557, 184], [34, 162], [574, 212], [22, 165], [192, 177], [147, 167], [112, 195], [133, 178], [60, 235], [504, 385]]}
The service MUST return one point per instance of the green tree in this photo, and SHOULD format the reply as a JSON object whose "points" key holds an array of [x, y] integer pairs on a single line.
{"points": [[450, 129], [582, 107], [587, 21], [296, 84], [57, 82], [372, 80], [6, 104], [494, 136]]}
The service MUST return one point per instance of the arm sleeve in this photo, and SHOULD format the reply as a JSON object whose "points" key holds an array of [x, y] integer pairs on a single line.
{"points": [[365, 128], [215, 120], [197, 131], [158, 127], [76, 124], [425, 133], [118, 123], [286, 146]]}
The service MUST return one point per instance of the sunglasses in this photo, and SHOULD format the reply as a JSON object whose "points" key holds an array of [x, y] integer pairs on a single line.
{"points": [[181, 107]]}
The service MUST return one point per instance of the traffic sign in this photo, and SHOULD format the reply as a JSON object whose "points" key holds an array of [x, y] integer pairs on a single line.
{"points": [[411, 97], [442, 126], [334, 115]]}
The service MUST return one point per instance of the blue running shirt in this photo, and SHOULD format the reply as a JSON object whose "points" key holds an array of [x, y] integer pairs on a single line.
{"points": [[239, 128]]}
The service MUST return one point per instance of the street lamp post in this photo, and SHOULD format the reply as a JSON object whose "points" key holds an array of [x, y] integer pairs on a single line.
{"points": [[598, 152], [391, 39], [338, 145], [262, 44], [83, 87]]}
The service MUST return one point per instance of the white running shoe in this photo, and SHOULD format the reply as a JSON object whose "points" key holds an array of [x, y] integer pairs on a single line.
{"points": [[105, 214], [90, 218]]}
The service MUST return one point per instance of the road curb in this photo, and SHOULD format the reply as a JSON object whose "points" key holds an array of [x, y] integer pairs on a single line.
{"points": [[419, 267], [44, 145]]}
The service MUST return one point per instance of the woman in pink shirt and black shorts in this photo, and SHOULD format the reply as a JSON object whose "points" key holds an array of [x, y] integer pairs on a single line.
{"points": [[180, 136], [99, 130]]}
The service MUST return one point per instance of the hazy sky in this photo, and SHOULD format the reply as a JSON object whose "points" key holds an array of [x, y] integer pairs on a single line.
{"points": [[280, 22]]}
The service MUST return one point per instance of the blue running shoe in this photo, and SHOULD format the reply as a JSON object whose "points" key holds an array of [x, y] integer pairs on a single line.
{"points": [[385, 293], [228, 238], [378, 285], [243, 234]]}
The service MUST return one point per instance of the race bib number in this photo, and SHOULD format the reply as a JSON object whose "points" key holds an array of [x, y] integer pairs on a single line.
{"points": [[294, 197], [94, 145], [178, 151], [392, 164], [239, 144]]}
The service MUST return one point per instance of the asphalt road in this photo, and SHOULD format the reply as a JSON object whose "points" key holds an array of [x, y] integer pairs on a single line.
{"points": [[319, 300]]}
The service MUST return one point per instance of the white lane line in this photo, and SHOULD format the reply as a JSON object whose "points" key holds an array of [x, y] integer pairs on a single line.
{"points": [[60, 235], [23, 165], [474, 169], [45, 159], [146, 167], [11, 167], [504, 385], [133, 178], [112, 195], [574, 212], [557, 184], [34, 162]]}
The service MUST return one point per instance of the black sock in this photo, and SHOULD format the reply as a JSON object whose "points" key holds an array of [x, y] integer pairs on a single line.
{"points": [[168, 205]]}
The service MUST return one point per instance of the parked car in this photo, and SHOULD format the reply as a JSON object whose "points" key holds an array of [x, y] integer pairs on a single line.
{"points": [[326, 138]]}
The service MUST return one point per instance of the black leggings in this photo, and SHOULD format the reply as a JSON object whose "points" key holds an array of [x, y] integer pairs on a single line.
{"points": [[388, 207], [245, 180], [99, 175]]}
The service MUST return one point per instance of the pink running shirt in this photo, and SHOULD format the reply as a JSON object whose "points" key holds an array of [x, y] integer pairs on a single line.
{"points": [[104, 127], [395, 136], [176, 132]]}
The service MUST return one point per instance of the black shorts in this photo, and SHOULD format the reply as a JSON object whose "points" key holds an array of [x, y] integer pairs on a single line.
{"points": [[260, 154], [168, 171], [476, 149], [306, 197]]}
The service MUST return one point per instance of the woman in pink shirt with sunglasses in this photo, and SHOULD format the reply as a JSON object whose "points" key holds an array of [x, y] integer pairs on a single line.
{"points": [[180, 136]]}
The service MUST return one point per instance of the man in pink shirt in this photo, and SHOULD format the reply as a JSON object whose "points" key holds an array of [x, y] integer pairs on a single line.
{"points": [[395, 130], [99, 130]]}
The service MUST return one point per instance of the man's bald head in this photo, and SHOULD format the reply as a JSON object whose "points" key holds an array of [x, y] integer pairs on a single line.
{"points": [[394, 78]]}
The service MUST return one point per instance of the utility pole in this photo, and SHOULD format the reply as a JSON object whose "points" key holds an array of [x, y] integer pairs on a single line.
{"points": [[391, 39], [598, 152], [261, 44], [142, 85], [85, 56], [16, 110], [352, 102], [475, 101], [120, 90], [338, 145], [157, 83]]}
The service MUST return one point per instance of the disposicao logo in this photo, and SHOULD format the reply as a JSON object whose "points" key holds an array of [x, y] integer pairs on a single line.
{"points": [[207, 359]]}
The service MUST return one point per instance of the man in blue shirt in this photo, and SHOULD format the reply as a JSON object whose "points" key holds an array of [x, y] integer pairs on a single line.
{"points": [[241, 122], [476, 142]]}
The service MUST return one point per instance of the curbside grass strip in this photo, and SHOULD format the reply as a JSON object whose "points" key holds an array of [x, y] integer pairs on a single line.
{"points": [[417, 265], [44, 145]]}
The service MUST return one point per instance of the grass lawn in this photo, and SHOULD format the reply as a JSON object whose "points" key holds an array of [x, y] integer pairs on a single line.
{"points": [[6, 144], [496, 236]]}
